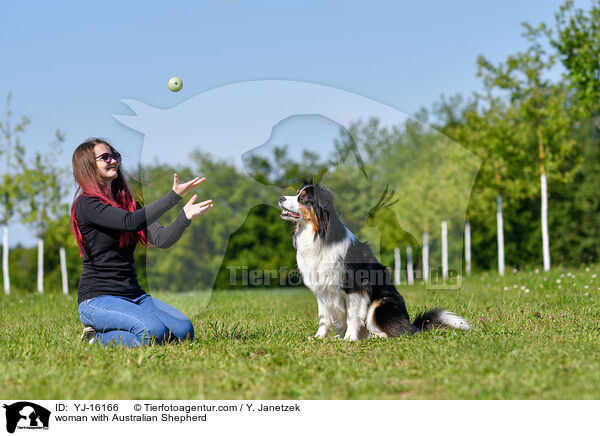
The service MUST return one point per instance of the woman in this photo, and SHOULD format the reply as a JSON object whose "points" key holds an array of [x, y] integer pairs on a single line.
{"points": [[108, 224]]}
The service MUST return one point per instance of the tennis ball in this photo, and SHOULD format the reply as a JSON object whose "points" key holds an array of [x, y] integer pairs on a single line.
{"points": [[175, 84]]}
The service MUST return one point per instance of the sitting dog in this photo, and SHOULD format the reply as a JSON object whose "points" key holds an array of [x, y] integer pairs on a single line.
{"points": [[355, 294]]}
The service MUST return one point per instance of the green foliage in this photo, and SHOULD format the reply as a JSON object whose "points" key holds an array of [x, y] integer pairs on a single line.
{"points": [[12, 153], [22, 269], [575, 218], [262, 244], [576, 38], [44, 188], [280, 170]]}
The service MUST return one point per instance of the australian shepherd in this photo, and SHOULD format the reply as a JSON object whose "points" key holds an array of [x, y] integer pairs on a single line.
{"points": [[355, 294]]}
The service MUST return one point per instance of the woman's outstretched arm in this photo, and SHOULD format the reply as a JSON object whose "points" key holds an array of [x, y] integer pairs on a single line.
{"points": [[164, 237], [94, 211]]}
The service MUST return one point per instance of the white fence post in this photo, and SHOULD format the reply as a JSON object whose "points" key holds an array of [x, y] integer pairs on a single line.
{"points": [[40, 278], [545, 236], [468, 247], [5, 271], [63, 270], [409, 266], [445, 250], [500, 230], [425, 256], [398, 266]]}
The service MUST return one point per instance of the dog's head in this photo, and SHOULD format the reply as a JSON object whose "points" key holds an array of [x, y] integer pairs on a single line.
{"points": [[312, 204]]}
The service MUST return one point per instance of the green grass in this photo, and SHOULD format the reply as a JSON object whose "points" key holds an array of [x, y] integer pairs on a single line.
{"points": [[255, 345]]}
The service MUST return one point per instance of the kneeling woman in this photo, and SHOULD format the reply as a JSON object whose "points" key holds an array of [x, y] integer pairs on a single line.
{"points": [[108, 224]]}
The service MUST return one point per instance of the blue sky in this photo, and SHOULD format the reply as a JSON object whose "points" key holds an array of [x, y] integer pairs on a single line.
{"points": [[68, 64]]}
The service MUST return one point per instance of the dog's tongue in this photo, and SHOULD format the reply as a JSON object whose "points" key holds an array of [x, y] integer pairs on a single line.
{"points": [[292, 214]]}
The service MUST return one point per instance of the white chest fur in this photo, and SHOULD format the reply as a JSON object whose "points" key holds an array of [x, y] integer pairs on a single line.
{"points": [[321, 265]]}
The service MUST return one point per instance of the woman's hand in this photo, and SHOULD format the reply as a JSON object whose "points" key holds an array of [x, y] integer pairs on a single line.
{"points": [[193, 210], [182, 189]]}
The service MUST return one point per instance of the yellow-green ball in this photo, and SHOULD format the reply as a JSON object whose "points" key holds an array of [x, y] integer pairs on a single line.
{"points": [[175, 84]]}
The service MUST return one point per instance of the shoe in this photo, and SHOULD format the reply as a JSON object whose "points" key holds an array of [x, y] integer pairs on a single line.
{"points": [[89, 334]]}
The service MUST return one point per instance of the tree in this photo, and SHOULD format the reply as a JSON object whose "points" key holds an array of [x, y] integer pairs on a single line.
{"points": [[543, 129], [576, 37], [11, 150], [44, 188], [282, 171]]}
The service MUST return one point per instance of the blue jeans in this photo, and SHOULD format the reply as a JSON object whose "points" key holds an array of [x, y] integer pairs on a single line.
{"points": [[134, 322]]}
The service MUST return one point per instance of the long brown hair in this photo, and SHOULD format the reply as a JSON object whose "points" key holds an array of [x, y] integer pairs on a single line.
{"points": [[90, 183]]}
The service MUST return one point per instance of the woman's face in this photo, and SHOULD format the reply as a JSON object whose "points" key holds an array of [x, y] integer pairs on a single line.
{"points": [[108, 170]]}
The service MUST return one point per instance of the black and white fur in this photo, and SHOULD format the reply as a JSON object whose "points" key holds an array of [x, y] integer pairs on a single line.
{"points": [[355, 294]]}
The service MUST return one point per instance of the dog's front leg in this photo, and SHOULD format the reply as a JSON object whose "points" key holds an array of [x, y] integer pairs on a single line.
{"points": [[357, 306], [325, 323]]}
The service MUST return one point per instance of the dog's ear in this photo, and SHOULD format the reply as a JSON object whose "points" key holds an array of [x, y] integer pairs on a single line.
{"points": [[323, 206], [323, 218], [307, 182]]}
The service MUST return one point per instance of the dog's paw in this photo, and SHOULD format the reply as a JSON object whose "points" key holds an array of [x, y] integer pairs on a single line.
{"points": [[351, 337], [321, 333]]}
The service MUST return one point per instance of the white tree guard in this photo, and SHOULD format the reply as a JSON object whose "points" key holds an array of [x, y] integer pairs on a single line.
{"points": [[5, 272], [468, 248], [425, 256], [445, 250], [500, 230], [545, 234], [397, 266], [63, 270], [40, 271], [410, 275]]}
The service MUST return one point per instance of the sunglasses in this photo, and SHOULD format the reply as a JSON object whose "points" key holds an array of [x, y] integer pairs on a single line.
{"points": [[107, 157]]}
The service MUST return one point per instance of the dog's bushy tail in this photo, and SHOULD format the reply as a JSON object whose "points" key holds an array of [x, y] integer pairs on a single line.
{"points": [[440, 318]]}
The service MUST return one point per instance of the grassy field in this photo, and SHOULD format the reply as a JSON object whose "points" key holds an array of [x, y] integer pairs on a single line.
{"points": [[535, 336]]}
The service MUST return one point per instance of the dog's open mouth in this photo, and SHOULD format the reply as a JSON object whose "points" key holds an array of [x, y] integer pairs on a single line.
{"points": [[287, 214]]}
